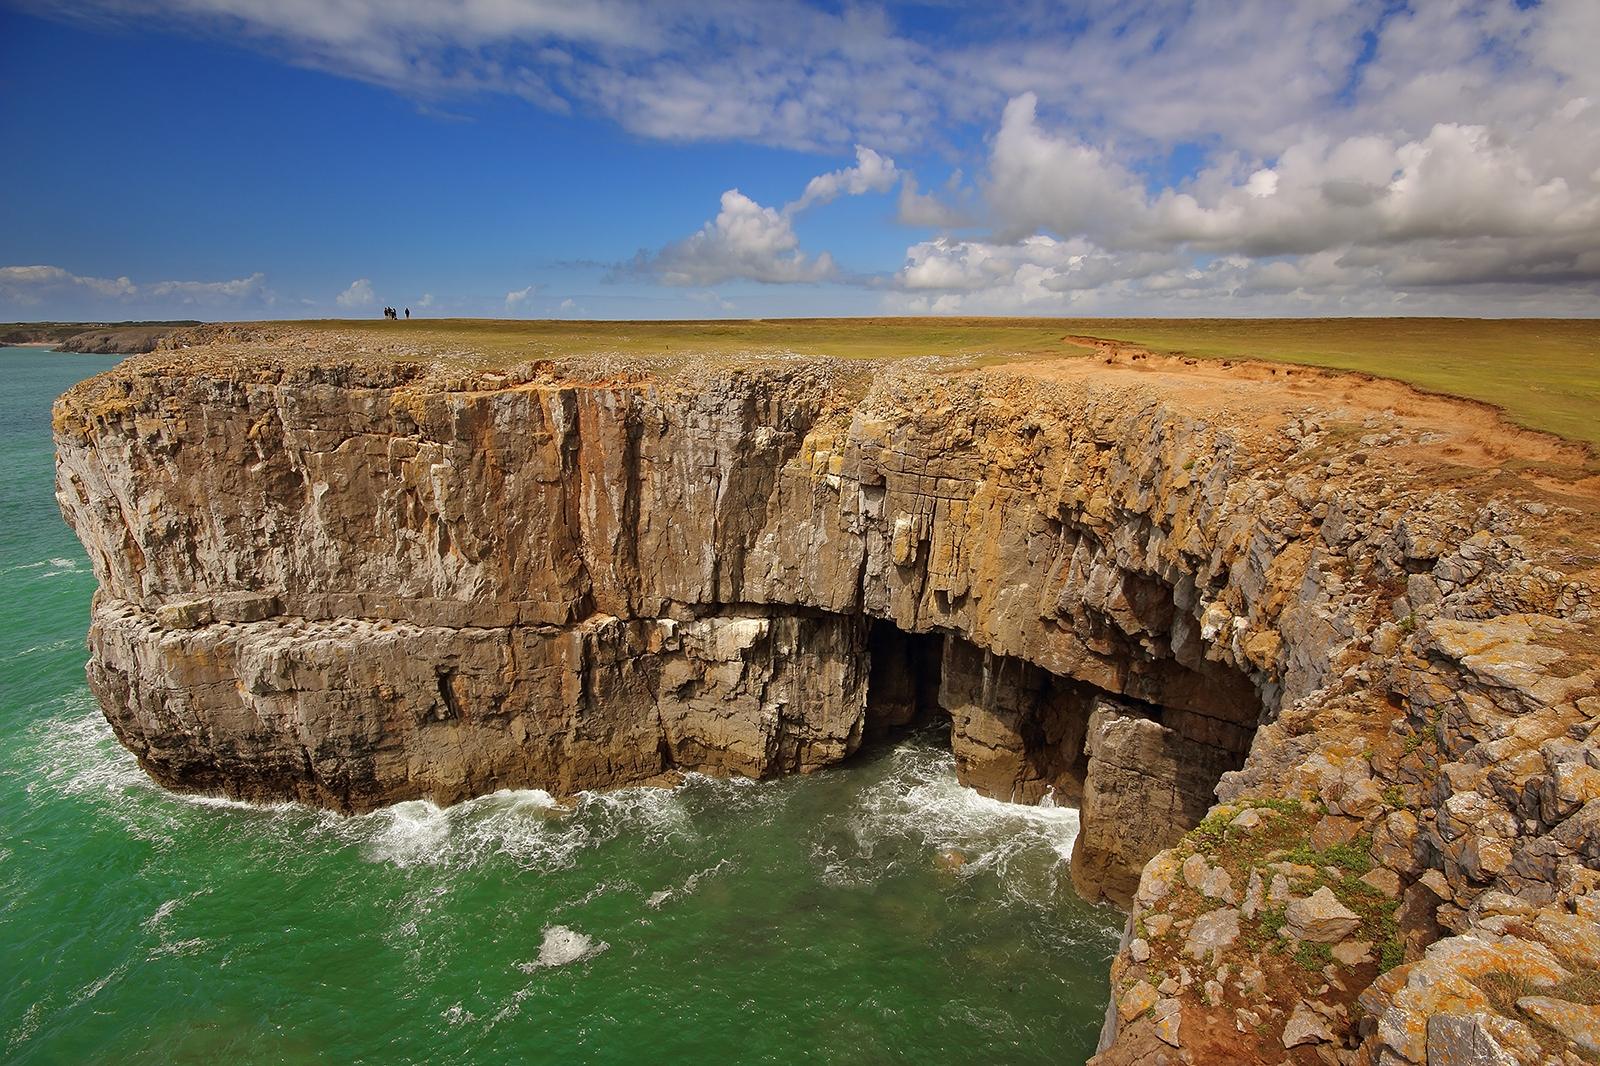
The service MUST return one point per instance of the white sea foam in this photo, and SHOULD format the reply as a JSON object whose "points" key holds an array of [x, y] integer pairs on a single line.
{"points": [[919, 800], [56, 564], [529, 827], [228, 803], [26, 1027], [563, 946], [178, 948], [78, 754], [690, 884], [163, 911], [54, 645], [413, 833]]}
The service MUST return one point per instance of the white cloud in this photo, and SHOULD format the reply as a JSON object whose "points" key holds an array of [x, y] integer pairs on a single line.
{"points": [[925, 210], [518, 297], [1496, 216], [1041, 181], [1252, 75], [1456, 183], [872, 173], [426, 301], [745, 240], [358, 297], [86, 296], [751, 242], [779, 73]]}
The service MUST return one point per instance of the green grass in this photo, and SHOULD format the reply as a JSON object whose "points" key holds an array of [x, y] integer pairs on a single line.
{"points": [[1543, 373], [844, 338]]}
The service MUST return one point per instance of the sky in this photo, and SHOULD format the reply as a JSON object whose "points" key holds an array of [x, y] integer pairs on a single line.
{"points": [[231, 159]]}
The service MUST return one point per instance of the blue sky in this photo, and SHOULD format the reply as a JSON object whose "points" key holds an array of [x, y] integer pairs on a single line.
{"points": [[222, 159]]}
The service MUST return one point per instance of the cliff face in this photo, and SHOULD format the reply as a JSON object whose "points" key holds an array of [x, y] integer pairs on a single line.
{"points": [[355, 582]]}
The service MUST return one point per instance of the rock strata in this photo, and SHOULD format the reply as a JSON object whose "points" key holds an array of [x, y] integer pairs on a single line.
{"points": [[351, 580]]}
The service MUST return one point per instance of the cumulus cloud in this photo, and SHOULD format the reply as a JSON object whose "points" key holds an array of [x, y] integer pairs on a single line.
{"points": [[751, 242], [745, 241], [925, 210], [358, 297], [1501, 214], [84, 296], [518, 297], [872, 173], [1456, 182]]}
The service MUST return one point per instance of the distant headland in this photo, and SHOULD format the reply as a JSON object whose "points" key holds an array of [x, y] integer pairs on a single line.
{"points": [[92, 338]]}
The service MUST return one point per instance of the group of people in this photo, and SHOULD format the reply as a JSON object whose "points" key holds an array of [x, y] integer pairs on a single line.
{"points": [[389, 312]]}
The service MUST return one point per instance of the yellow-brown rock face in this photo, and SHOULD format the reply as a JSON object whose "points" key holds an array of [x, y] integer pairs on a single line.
{"points": [[351, 583]]}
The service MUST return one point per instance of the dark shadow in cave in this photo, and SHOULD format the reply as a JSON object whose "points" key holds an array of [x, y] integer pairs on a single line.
{"points": [[1141, 773]]}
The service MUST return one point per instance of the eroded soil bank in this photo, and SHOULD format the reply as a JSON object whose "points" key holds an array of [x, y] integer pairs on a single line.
{"points": [[1359, 616]]}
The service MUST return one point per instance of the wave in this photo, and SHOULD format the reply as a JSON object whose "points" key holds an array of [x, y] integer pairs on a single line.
{"points": [[56, 565], [911, 809], [562, 947], [690, 884], [54, 645], [74, 753], [919, 811]]}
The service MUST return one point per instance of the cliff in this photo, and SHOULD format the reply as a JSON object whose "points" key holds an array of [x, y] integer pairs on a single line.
{"points": [[1359, 617], [100, 338]]}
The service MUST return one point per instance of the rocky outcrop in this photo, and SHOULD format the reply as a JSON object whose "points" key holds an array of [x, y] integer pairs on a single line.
{"points": [[1146, 786], [102, 338], [355, 580]]}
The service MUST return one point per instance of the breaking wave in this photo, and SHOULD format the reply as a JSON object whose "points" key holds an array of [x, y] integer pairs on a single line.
{"points": [[562, 946], [918, 812]]}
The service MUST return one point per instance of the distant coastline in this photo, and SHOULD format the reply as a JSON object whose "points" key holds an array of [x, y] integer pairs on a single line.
{"points": [[90, 338]]}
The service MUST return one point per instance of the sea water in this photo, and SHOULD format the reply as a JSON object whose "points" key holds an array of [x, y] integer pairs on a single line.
{"points": [[874, 913]]}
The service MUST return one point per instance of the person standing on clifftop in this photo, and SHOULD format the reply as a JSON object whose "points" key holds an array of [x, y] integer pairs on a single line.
{"points": [[408, 314]]}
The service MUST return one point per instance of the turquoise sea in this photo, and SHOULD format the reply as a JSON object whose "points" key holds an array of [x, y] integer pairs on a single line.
{"points": [[876, 913]]}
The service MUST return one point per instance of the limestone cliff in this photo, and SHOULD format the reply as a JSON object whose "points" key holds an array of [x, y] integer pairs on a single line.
{"points": [[352, 580]]}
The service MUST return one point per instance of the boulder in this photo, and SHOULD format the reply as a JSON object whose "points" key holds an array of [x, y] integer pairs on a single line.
{"points": [[1320, 918], [1577, 1022], [1211, 933], [1305, 1026]]}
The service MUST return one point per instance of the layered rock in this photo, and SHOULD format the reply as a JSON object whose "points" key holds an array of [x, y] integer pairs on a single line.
{"points": [[354, 580]]}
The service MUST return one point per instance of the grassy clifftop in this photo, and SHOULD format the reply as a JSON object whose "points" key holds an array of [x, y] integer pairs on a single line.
{"points": [[1543, 373]]}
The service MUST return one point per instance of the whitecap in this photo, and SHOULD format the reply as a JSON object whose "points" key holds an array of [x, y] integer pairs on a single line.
{"points": [[178, 948], [54, 645], [26, 1026], [920, 801], [690, 884], [163, 911], [80, 755], [413, 833], [229, 803], [563, 946]]}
